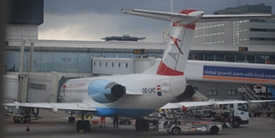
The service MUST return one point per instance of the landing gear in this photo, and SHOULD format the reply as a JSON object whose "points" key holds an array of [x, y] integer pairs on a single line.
{"points": [[82, 125], [87, 126], [16, 119], [139, 124], [142, 124], [71, 119], [145, 125]]}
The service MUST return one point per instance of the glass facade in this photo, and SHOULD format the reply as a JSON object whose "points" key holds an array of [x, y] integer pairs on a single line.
{"points": [[60, 61], [85, 62], [36, 65], [47, 63], [72, 62], [10, 60], [79, 60]]}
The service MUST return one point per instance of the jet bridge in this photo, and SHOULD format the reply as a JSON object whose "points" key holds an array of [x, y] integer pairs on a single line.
{"points": [[32, 87]]}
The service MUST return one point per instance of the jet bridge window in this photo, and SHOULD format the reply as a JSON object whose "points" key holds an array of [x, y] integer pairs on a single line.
{"points": [[37, 86], [212, 92]]}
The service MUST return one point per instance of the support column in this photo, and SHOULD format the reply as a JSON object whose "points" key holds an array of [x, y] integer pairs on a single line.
{"points": [[20, 71], [31, 57]]}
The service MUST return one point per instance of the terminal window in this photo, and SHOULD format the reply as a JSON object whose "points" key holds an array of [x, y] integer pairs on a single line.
{"points": [[212, 92], [231, 92]]}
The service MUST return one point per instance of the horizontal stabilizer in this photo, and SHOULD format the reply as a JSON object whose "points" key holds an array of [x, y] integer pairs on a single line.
{"points": [[166, 16], [181, 18], [210, 18]]}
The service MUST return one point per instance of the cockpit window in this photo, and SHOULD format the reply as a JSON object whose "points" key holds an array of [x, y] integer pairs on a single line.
{"points": [[243, 106]]}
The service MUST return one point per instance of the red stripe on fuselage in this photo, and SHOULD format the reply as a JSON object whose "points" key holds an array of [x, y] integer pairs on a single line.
{"points": [[164, 70]]}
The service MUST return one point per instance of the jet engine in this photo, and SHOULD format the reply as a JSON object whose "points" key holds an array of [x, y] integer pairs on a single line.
{"points": [[188, 93], [104, 91]]}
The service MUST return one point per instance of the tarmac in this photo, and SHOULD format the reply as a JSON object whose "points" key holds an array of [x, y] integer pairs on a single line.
{"points": [[54, 125]]}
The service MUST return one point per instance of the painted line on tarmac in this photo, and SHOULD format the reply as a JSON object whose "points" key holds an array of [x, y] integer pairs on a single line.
{"points": [[46, 125]]}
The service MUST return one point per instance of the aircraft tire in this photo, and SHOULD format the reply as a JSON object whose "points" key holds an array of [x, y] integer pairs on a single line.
{"points": [[71, 119], [87, 126], [79, 125], [27, 119], [16, 120], [138, 124], [145, 125]]}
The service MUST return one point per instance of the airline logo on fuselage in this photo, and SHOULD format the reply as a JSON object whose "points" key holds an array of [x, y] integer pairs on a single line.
{"points": [[77, 85]]}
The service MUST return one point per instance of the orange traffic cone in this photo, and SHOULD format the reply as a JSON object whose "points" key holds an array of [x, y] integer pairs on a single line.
{"points": [[28, 128]]}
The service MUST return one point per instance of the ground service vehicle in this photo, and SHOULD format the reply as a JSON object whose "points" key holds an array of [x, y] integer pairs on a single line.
{"points": [[188, 126]]}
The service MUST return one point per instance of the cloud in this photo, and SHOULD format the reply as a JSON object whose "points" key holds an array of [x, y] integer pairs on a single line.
{"points": [[93, 27], [93, 20]]}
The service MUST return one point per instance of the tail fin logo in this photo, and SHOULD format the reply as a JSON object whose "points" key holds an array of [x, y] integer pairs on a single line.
{"points": [[175, 40]]}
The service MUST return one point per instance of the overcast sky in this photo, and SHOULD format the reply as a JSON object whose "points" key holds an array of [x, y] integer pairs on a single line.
{"points": [[92, 20]]}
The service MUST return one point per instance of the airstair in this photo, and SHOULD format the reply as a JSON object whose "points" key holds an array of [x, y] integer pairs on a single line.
{"points": [[249, 94], [272, 90], [199, 96]]}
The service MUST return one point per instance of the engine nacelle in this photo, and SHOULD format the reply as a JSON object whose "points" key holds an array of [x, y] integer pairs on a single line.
{"points": [[188, 93], [104, 91]]}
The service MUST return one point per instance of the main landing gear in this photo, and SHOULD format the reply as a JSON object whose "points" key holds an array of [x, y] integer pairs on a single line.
{"points": [[81, 125], [71, 119], [142, 125]]}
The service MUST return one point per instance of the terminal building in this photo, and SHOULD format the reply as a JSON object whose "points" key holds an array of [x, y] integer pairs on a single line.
{"points": [[243, 32], [74, 59]]}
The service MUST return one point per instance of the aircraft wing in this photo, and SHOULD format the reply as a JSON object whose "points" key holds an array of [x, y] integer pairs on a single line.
{"points": [[54, 106], [261, 101], [207, 103], [186, 104]]}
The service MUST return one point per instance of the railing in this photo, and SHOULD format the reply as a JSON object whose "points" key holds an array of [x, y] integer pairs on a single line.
{"points": [[250, 93]]}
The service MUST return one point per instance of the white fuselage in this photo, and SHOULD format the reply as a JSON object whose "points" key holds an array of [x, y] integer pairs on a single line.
{"points": [[144, 93]]}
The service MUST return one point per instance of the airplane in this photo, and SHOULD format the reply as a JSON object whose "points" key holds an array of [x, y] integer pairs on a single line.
{"points": [[136, 95]]}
